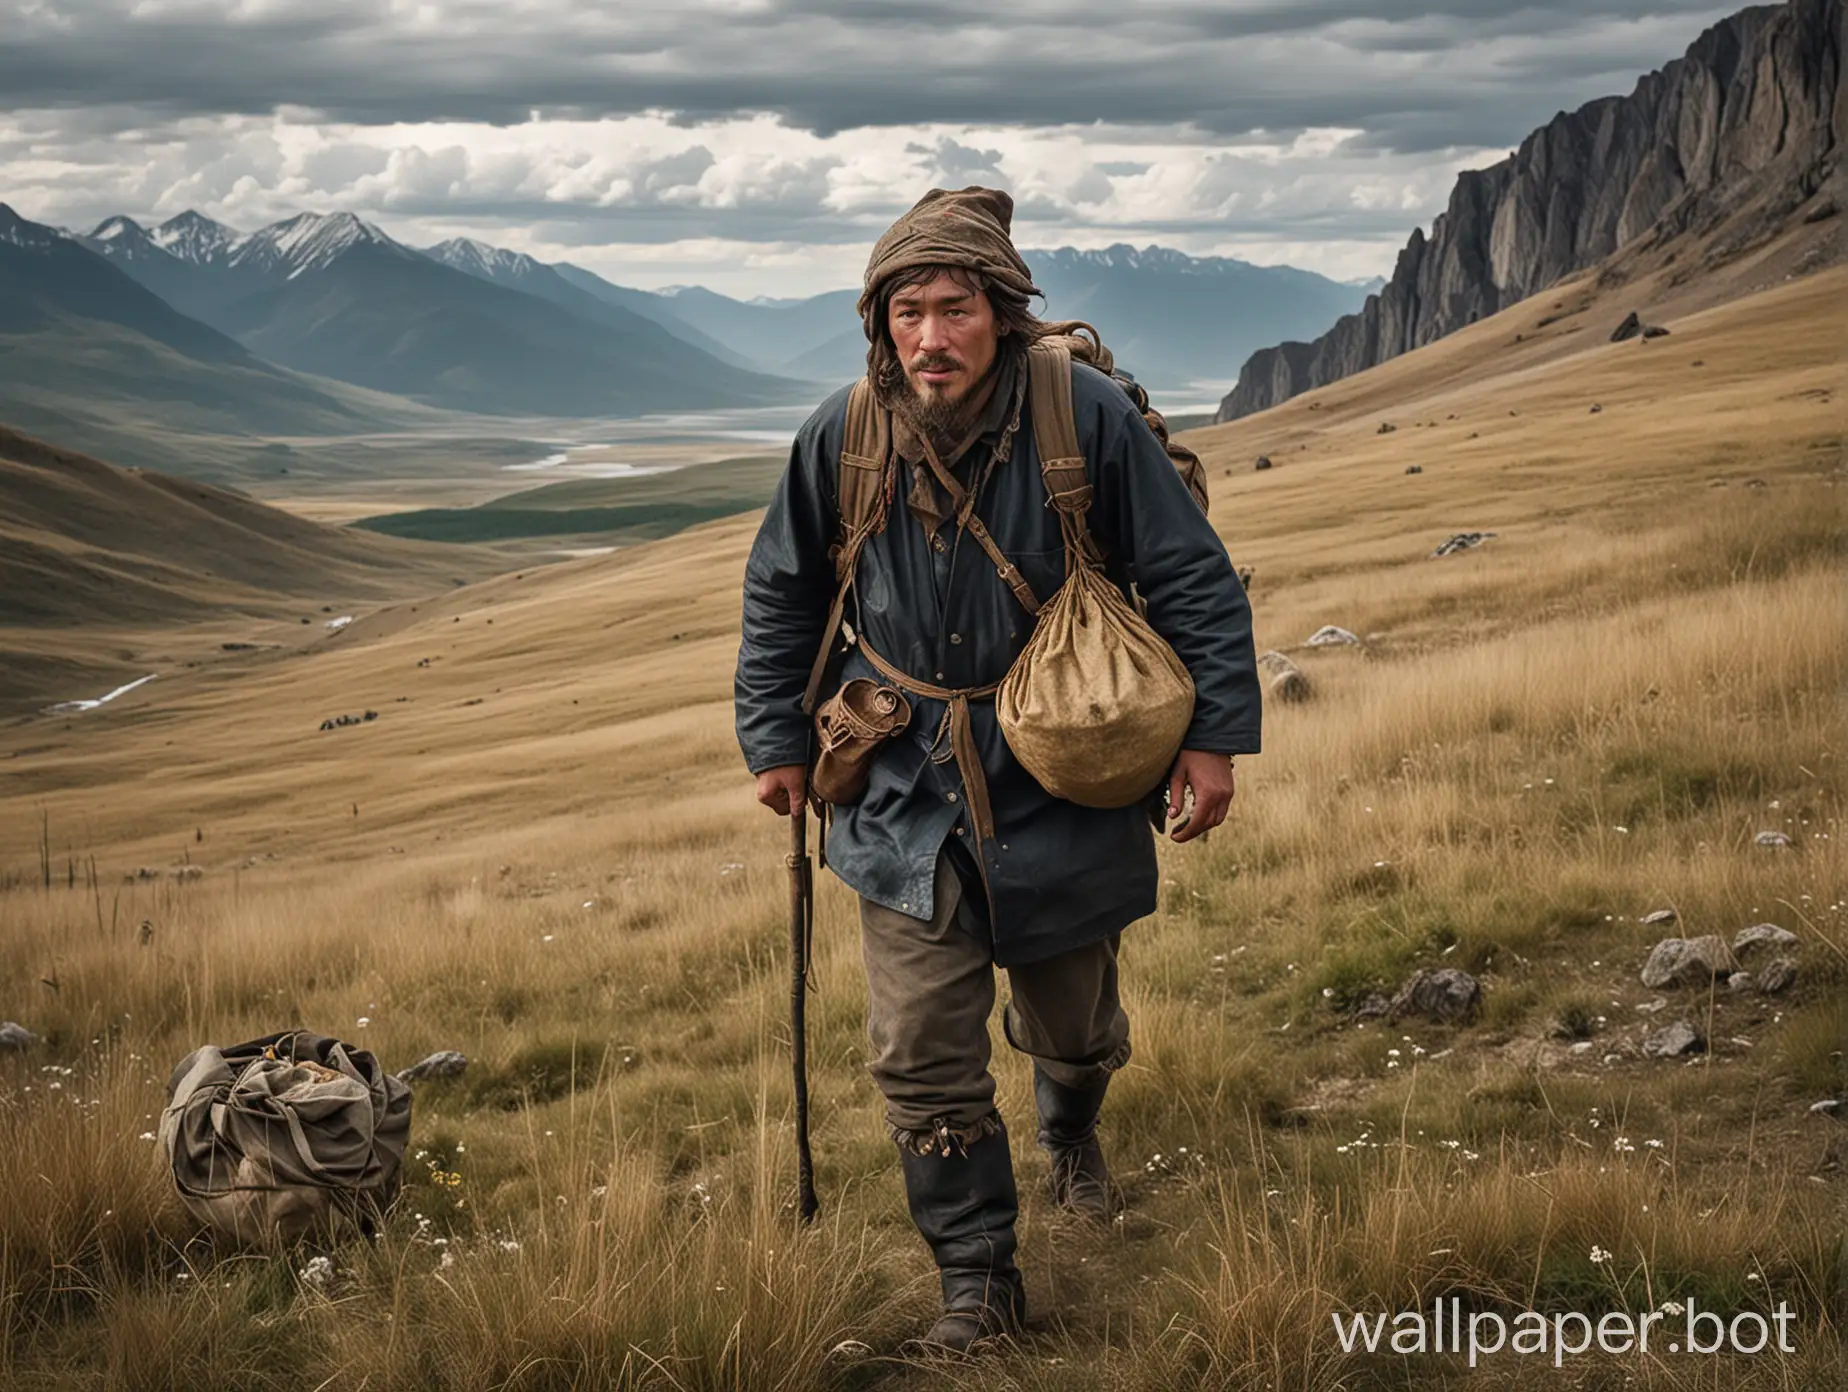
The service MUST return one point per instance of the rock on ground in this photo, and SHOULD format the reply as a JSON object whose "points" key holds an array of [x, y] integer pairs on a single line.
{"points": [[13, 1036], [1444, 994], [1687, 962], [445, 1063], [1674, 1040], [1658, 916], [1774, 839], [1776, 975], [1462, 541], [1291, 687], [1263, 462], [1759, 935], [1328, 636]]}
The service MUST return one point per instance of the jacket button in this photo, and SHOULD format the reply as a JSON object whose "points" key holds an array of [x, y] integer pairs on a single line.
{"points": [[949, 797], [959, 831], [956, 637]]}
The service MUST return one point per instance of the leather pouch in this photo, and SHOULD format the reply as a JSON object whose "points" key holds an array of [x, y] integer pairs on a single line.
{"points": [[851, 726]]}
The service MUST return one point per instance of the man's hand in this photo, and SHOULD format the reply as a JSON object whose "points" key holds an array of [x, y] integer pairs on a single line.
{"points": [[783, 789], [1210, 777]]}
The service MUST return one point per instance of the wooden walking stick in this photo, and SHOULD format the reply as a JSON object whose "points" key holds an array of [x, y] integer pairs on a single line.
{"points": [[801, 937]]}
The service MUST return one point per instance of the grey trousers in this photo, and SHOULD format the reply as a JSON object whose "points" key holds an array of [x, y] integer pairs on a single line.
{"points": [[930, 987]]}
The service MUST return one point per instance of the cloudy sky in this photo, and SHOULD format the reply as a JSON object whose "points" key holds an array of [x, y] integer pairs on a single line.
{"points": [[759, 146]]}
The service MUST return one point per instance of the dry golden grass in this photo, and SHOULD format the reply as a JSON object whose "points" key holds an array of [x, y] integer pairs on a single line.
{"points": [[544, 853]]}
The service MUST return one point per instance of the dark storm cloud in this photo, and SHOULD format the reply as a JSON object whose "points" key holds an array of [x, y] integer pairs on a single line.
{"points": [[1415, 77]]}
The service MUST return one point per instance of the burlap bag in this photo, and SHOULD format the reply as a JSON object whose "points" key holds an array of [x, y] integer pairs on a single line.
{"points": [[285, 1135], [1096, 705]]}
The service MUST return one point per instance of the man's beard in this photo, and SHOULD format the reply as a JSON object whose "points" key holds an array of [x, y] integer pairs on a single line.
{"points": [[933, 415]]}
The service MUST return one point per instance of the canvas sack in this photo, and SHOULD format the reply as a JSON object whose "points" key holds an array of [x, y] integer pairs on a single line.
{"points": [[284, 1135]]}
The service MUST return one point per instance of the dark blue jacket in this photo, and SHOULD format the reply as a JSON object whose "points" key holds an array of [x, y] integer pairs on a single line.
{"points": [[1059, 875]]}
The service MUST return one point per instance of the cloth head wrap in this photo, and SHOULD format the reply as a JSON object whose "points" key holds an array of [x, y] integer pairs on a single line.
{"points": [[969, 228]]}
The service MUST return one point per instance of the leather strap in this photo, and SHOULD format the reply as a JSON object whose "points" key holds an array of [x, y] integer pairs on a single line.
{"points": [[964, 502], [1055, 432], [865, 497], [962, 734]]}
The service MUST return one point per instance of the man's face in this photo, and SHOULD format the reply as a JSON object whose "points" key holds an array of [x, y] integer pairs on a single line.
{"points": [[945, 335]]}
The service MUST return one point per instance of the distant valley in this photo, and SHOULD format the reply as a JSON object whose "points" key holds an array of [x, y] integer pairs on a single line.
{"points": [[319, 346]]}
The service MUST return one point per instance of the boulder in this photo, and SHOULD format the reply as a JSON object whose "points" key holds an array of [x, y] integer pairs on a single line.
{"points": [[1329, 636], [1776, 976], [1739, 981], [1631, 327], [1674, 1040], [1688, 962], [1444, 994], [1762, 935], [1386, 428], [445, 1063], [1654, 331], [1595, 408], [15, 1037], [1275, 662]]}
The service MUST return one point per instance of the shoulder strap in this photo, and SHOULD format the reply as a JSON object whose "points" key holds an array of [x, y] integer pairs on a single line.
{"points": [[864, 492], [1055, 433]]}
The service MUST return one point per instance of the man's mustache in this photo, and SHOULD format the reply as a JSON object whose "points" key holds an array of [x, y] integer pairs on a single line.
{"points": [[935, 362]]}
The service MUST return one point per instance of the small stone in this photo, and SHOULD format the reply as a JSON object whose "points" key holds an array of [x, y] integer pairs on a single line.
{"points": [[1674, 1040], [1775, 840], [15, 1037], [1444, 994], [1651, 1007], [1462, 541], [1291, 687], [1373, 1007], [1776, 976], [1829, 1106], [1584, 1046], [1386, 428], [1595, 408], [851, 1351], [1739, 981], [1658, 916], [1263, 462], [1275, 663], [1330, 636], [1687, 962], [445, 1063], [1762, 935], [1414, 468], [1654, 331]]}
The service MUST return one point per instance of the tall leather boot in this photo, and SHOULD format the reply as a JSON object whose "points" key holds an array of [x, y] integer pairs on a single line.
{"points": [[963, 1201], [1081, 1180]]}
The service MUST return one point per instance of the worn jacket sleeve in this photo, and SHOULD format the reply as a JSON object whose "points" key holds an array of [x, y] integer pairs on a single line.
{"points": [[788, 586], [1150, 523]]}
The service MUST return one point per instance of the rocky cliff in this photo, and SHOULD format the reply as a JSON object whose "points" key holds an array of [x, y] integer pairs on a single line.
{"points": [[1737, 138]]}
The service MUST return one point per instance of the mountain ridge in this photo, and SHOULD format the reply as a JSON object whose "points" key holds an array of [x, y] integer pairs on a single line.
{"points": [[1730, 140]]}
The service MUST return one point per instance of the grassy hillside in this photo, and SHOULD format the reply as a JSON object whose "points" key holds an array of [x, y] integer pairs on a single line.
{"points": [[545, 853], [97, 561]]}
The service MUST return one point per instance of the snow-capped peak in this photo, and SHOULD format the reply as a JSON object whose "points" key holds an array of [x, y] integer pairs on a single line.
{"points": [[196, 238], [22, 233], [480, 259], [117, 228], [305, 242]]}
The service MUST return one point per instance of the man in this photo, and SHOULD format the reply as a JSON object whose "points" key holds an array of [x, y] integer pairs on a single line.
{"points": [[1046, 895]]}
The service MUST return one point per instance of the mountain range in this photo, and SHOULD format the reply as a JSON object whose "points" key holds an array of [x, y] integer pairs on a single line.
{"points": [[456, 325]]}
